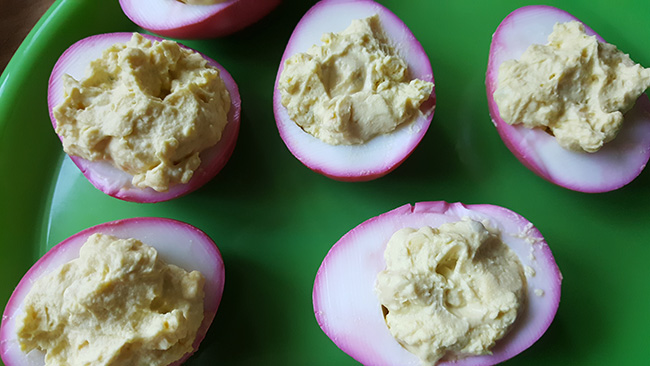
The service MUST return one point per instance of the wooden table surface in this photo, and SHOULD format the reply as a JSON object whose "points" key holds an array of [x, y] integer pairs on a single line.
{"points": [[17, 18]]}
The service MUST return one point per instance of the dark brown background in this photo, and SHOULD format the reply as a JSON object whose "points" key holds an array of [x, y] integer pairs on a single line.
{"points": [[17, 18]]}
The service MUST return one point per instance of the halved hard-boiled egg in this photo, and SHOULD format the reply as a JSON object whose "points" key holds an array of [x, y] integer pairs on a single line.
{"points": [[114, 181], [616, 164], [192, 19], [384, 152], [349, 311], [177, 243]]}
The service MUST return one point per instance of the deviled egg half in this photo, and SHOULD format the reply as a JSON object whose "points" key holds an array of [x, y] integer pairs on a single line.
{"points": [[438, 284], [354, 93], [140, 290], [591, 133], [144, 119], [195, 19]]}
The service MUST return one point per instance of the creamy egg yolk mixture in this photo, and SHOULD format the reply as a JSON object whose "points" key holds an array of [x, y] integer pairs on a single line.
{"points": [[574, 87], [351, 88], [149, 108], [450, 291], [117, 304]]}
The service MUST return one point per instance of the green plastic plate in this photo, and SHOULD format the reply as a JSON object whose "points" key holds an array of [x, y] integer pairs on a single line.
{"points": [[274, 219]]}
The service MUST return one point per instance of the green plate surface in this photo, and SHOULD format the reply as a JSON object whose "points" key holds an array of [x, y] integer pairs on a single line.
{"points": [[274, 219]]}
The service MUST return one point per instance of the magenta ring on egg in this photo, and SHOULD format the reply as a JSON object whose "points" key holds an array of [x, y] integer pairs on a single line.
{"points": [[176, 242], [172, 18], [615, 165], [348, 310], [113, 181], [382, 154]]}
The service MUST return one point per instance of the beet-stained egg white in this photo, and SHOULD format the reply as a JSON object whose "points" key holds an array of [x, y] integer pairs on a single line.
{"points": [[175, 19], [383, 153], [102, 174], [177, 243], [615, 165], [349, 312]]}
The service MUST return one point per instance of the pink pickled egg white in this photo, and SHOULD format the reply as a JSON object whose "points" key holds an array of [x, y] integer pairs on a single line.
{"points": [[348, 310], [102, 174], [615, 165], [172, 18], [177, 243], [383, 153]]}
